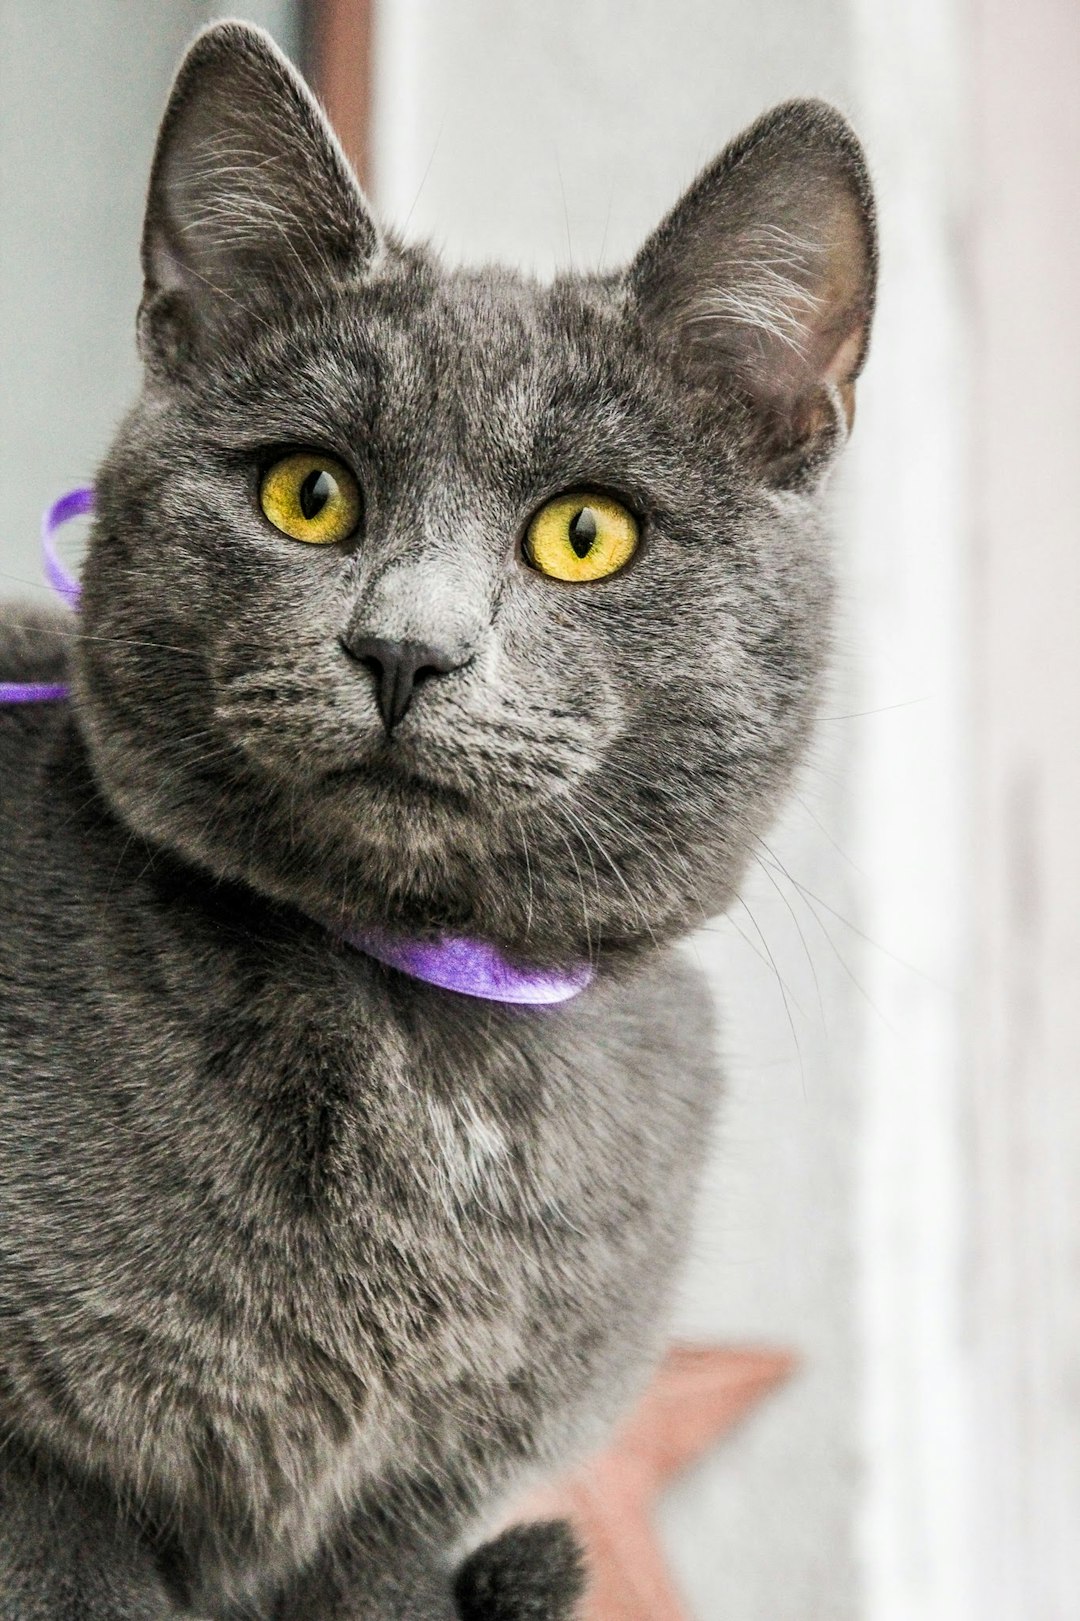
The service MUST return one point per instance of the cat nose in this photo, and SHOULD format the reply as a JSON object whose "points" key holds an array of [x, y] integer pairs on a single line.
{"points": [[398, 668]]}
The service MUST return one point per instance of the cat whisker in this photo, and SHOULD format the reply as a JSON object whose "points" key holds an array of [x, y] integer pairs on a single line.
{"points": [[882, 709], [426, 173], [809, 895], [820, 825], [529, 876], [726, 917], [78, 634], [785, 993], [763, 867], [564, 838], [31, 585], [627, 837], [634, 900], [841, 959]]}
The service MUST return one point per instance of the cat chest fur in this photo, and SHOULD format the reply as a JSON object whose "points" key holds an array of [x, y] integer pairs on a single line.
{"points": [[353, 1243]]}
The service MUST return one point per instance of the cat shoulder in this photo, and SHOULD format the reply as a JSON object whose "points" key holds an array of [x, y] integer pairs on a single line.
{"points": [[34, 643], [35, 646]]}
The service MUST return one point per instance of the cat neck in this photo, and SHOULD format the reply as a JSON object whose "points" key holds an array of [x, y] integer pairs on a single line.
{"points": [[462, 964]]}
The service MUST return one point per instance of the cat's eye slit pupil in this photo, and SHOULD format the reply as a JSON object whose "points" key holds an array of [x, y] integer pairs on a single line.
{"points": [[583, 531], [315, 491]]}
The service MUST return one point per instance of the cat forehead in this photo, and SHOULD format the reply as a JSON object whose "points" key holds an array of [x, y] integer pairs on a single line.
{"points": [[428, 351], [480, 329], [466, 296]]}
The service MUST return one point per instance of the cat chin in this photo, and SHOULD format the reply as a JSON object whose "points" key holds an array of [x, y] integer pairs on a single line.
{"points": [[394, 780]]}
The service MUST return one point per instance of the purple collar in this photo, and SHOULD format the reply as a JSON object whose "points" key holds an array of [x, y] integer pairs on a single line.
{"points": [[471, 967], [453, 962], [75, 504]]}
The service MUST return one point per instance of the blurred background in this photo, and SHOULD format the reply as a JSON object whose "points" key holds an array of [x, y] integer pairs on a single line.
{"points": [[895, 1189]]}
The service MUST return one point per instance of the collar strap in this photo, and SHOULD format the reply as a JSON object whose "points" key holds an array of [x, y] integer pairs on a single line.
{"points": [[75, 504], [453, 962], [471, 967]]}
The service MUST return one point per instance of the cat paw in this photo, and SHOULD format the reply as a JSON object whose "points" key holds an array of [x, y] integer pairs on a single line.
{"points": [[530, 1573]]}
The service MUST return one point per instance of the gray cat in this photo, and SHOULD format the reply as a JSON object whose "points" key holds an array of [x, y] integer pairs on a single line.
{"points": [[421, 607]]}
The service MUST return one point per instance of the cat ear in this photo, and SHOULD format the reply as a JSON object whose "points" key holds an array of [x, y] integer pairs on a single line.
{"points": [[250, 194], [762, 279]]}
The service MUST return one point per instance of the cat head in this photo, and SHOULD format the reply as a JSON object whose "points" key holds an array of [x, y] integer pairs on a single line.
{"points": [[446, 599]]}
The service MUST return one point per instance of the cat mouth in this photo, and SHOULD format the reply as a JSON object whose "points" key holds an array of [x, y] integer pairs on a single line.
{"points": [[387, 773]]}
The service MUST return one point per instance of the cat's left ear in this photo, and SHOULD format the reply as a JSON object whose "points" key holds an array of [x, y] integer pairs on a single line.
{"points": [[760, 283], [250, 196]]}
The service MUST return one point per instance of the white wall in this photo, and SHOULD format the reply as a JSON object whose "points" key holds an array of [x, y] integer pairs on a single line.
{"points": [[82, 87], [1024, 1122], [909, 527]]}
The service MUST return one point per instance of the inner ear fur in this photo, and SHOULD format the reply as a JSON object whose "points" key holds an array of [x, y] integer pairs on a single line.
{"points": [[249, 192], [761, 281]]}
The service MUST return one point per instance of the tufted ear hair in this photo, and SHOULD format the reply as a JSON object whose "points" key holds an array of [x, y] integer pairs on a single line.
{"points": [[761, 280], [250, 195]]}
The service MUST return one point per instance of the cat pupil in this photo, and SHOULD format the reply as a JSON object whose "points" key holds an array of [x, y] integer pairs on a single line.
{"points": [[583, 531], [315, 491]]}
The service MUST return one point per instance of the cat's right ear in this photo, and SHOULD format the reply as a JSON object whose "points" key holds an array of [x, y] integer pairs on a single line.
{"points": [[760, 284], [251, 198]]}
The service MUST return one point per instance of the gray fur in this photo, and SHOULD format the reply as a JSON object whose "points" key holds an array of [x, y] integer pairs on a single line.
{"points": [[304, 1265]]}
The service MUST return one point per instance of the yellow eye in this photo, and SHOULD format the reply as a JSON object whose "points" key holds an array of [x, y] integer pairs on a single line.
{"points": [[311, 496], [581, 536]]}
